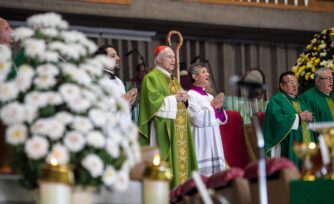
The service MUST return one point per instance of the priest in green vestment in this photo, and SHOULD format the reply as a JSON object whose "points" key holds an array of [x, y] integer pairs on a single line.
{"points": [[320, 98], [163, 118], [286, 120]]}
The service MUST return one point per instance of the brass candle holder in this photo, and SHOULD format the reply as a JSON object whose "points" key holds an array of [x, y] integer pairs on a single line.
{"points": [[305, 151], [326, 130], [156, 182]]}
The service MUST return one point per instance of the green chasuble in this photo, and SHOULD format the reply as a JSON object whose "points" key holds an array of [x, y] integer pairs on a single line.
{"points": [[321, 105], [173, 137], [279, 118]]}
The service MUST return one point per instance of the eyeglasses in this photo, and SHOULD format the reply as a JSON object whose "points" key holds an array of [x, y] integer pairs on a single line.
{"points": [[326, 78], [291, 83]]}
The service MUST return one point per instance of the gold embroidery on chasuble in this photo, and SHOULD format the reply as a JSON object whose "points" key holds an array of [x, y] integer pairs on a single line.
{"points": [[181, 135], [305, 131], [330, 105]]}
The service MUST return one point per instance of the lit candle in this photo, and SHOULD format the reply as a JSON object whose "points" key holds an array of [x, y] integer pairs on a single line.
{"points": [[156, 182], [306, 3], [55, 183]]}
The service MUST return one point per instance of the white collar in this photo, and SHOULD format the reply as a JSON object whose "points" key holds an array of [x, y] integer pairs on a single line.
{"points": [[106, 70], [165, 72]]}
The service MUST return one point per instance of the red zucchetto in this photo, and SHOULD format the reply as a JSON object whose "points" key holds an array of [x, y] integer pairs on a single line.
{"points": [[159, 49]]}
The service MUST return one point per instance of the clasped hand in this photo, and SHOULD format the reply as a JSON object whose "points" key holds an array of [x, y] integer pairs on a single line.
{"points": [[218, 101], [181, 96], [306, 116], [131, 95]]}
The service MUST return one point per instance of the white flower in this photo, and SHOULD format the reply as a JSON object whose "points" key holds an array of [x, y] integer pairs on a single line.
{"points": [[60, 153], [98, 117], [96, 139], [90, 45], [89, 95], [106, 61], [35, 98], [74, 141], [91, 70], [5, 68], [34, 48], [8, 91], [78, 104], [93, 164], [82, 124], [12, 113], [30, 113], [57, 46], [45, 81], [112, 148], [16, 134], [69, 91], [47, 69], [55, 128], [22, 82], [81, 77], [109, 176], [48, 20], [6, 53], [131, 132], [122, 181], [22, 33], [50, 32], [54, 98], [36, 147], [26, 70], [50, 56], [71, 36], [40, 127], [64, 117]]}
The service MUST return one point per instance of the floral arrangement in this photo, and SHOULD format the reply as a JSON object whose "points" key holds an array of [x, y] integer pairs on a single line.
{"points": [[54, 107], [318, 54]]}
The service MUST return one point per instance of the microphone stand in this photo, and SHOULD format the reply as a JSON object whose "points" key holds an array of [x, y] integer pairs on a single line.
{"points": [[253, 89]]}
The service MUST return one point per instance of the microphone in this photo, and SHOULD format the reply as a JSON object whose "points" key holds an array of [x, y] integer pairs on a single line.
{"points": [[129, 53]]}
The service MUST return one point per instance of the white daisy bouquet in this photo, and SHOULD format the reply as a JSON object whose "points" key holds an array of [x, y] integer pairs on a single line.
{"points": [[319, 53], [53, 107]]}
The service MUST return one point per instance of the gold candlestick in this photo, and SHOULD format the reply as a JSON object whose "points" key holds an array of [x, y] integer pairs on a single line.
{"points": [[156, 182], [305, 151]]}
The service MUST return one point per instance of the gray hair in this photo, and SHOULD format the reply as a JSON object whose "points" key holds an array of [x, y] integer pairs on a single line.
{"points": [[320, 72], [161, 55], [194, 69]]}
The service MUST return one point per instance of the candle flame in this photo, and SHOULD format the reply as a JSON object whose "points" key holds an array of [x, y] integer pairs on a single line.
{"points": [[53, 161], [156, 160]]}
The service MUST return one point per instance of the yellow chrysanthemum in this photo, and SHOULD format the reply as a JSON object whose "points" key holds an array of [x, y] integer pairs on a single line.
{"points": [[307, 75]]}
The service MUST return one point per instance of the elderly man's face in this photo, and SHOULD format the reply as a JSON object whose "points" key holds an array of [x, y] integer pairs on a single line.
{"points": [[289, 85], [111, 52], [5, 32], [167, 61], [325, 82]]}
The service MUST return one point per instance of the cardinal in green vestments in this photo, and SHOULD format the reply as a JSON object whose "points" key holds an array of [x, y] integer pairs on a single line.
{"points": [[163, 118], [320, 98], [286, 120]]}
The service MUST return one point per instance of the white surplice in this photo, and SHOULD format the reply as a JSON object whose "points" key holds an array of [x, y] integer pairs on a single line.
{"points": [[206, 133]]}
